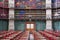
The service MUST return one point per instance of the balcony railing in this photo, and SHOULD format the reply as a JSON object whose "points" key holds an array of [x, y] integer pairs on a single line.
{"points": [[56, 17], [29, 16]]}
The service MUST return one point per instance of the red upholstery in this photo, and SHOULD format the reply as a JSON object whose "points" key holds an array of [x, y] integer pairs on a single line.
{"points": [[19, 35], [25, 36], [48, 36], [53, 33], [38, 36], [9, 34]]}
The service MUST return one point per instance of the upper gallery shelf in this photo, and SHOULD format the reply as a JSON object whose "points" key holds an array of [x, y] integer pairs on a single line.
{"points": [[29, 4]]}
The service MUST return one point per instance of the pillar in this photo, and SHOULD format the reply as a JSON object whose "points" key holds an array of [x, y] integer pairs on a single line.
{"points": [[48, 15], [11, 14]]}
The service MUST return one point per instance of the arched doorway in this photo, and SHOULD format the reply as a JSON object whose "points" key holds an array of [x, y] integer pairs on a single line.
{"points": [[30, 26]]}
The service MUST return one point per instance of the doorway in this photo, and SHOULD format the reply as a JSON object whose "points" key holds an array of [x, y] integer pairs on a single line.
{"points": [[30, 26]]}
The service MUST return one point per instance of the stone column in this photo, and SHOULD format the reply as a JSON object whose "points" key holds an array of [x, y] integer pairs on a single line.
{"points": [[48, 15], [11, 14]]}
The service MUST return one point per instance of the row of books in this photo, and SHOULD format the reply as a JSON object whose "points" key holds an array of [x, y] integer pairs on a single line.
{"points": [[30, 4], [3, 13], [56, 3], [4, 3], [1, 4], [29, 12]]}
